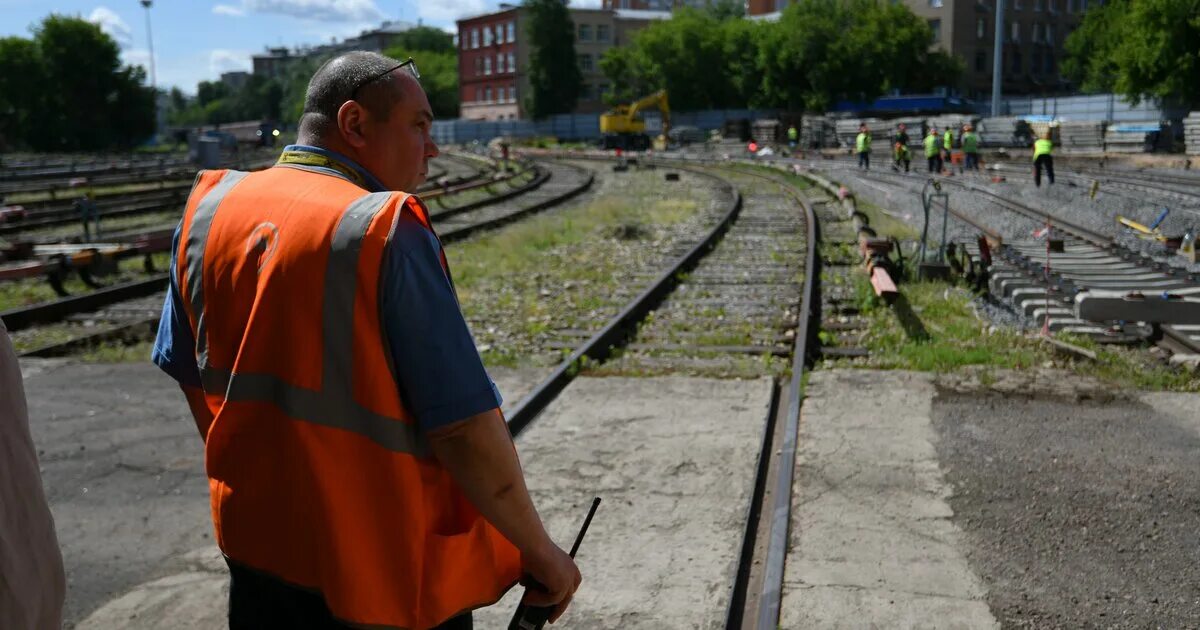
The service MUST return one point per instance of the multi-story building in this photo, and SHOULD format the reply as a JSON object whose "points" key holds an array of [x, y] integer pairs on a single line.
{"points": [[493, 57], [1034, 33], [274, 61]]}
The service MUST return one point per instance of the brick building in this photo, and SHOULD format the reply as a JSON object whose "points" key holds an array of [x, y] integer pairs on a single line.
{"points": [[493, 57], [1034, 33]]}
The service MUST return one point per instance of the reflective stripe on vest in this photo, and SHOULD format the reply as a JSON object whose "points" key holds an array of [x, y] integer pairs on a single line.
{"points": [[334, 405]]}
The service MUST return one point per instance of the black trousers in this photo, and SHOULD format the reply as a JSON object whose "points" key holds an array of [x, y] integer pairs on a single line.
{"points": [[935, 163], [1046, 162], [262, 602], [972, 161], [864, 160]]}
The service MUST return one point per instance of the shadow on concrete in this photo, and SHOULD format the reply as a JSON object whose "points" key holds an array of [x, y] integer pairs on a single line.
{"points": [[913, 328]]}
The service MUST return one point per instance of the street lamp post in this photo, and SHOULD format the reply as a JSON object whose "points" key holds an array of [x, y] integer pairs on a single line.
{"points": [[997, 58], [150, 40]]}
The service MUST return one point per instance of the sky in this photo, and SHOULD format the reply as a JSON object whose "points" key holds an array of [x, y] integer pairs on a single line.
{"points": [[197, 40]]}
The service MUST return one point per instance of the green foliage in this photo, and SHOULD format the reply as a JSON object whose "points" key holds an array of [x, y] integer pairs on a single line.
{"points": [[818, 52], [215, 103], [66, 90], [424, 38], [1149, 48], [439, 77], [554, 76]]}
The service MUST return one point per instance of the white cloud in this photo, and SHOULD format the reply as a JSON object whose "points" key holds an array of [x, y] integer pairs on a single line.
{"points": [[325, 10], [451, 10], [224, 60], [111, 23], [585, 4], [226, 9]]}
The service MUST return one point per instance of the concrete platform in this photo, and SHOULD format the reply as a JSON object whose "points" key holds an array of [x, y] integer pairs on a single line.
{"points": [[872, 544], [673, 459]]}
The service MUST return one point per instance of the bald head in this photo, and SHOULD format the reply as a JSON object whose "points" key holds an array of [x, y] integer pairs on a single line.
{"points": [[334, 83]]}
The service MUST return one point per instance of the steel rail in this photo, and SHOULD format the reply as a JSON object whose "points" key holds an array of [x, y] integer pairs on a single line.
{"points": [[58, 310]]}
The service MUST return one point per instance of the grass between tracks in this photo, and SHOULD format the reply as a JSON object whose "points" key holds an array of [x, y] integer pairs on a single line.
{"points": [[562, 270], [945, 333], [100, 191]]}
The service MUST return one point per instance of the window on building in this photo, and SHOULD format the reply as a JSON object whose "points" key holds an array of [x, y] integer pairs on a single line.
{"points": [[1039, 5], [487, 94], [980, 28], [1070, 6], [465, 39], [1050, 34], [478, 66], [512, 94], [511, 27], [980, 61], [935, 26], [1048, 63], [1015, 31], [499, 33], [779, 4], [585, 62], [474, 38], [512, 63], [602, 33], [585, 32], [936, 4], [487, 36], [500, 63], [487, 65], [1034, 37]]}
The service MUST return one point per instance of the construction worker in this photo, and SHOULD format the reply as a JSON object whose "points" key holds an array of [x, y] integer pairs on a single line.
{"points": [[948, 146], [900, 148], [793, 137], [32, 583], [862, 145], [360, 469], [1042, 158], [970, 145], [933, 153]]}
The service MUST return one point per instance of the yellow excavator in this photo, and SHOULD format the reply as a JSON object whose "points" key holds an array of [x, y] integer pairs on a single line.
{"points": [[624, 128]]}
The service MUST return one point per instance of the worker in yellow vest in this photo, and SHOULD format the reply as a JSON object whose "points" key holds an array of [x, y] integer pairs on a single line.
{"points": [[361, 473], [933, 153], [793, 137], [970, 145], [948, 146], [862, 145], [1042, 158]]}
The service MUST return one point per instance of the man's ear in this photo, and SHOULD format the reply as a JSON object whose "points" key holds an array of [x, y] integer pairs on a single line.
{"points": [[351, 120]]}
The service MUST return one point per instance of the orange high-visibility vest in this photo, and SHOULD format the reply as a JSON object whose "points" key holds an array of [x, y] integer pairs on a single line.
{"points": [[319, 475]]}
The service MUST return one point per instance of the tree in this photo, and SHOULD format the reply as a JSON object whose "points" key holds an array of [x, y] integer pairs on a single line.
{"points": [[65, 89], [424, 38], [21, 90], [726, 9], [554, 77], [439, 77], [1144, 49]]}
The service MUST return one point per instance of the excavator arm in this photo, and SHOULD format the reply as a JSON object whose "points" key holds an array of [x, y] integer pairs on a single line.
{"points": [[659, 100]]}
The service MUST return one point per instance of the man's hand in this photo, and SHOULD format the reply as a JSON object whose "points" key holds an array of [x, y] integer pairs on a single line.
{"points": [[556, 574]]}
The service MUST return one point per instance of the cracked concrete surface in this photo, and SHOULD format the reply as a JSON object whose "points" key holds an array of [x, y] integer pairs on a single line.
{"points": [[673, 459], [872, 544]]}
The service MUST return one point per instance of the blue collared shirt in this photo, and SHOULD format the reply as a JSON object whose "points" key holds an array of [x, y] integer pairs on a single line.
{"points": [[438, 370]]}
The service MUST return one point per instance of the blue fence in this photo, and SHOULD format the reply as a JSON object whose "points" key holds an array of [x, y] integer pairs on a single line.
{"points": [[1108, 107], [577, 126]]}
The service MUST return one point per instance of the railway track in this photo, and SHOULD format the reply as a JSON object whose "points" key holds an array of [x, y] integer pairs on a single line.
{"points": [[104, 315], [1044, 285]]}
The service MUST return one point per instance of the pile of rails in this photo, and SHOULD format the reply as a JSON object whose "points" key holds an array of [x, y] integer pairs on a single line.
{"points": [[1084, 136], [1191, 133], [816, 132], [1138, 137]]}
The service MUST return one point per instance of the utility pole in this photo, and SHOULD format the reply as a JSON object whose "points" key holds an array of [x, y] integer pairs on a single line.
{"points": [[997, 58], [150, 39]]}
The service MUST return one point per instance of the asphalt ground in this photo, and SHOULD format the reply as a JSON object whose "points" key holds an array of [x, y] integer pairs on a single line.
{"points": [[1078, 514]]}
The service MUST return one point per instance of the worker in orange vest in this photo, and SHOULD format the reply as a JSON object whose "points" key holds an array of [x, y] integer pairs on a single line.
{"points": [[360, 469]]}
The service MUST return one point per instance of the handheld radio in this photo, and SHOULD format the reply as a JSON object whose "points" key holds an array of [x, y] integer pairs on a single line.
{"points": [[535, 617]]}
